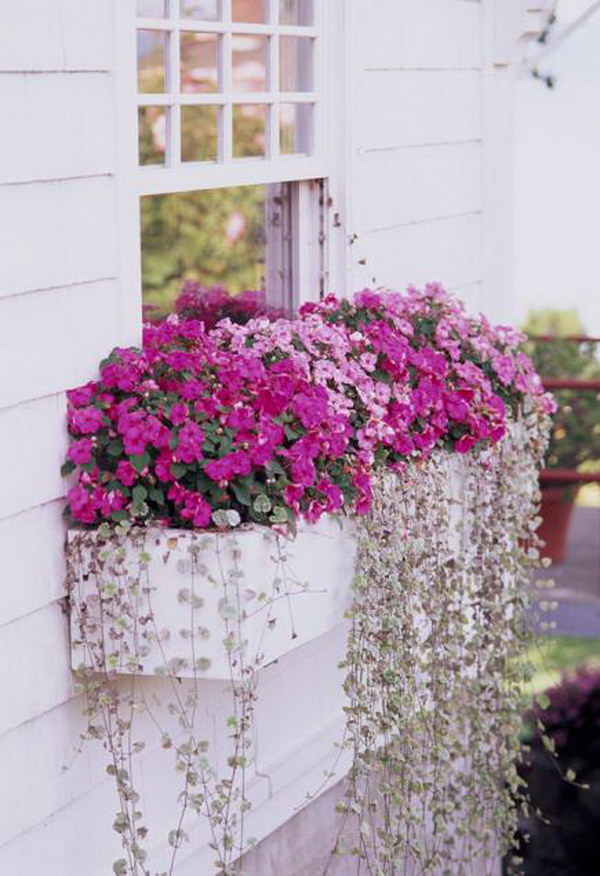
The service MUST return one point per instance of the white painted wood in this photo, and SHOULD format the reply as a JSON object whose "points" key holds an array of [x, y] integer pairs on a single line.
{"points": [[70, 357], [60, 126], [62, 35], [418, 34], [54, 234], [498, 178], [31, 578], [413, 185], [287, 591], [388, 115], [36, 648], [447, 249], [33, 443]]}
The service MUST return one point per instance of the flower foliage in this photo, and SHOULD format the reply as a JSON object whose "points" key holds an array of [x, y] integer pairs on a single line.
{"points": [[276, 419]]}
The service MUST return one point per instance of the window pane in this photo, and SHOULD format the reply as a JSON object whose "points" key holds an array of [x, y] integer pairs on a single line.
{"points": [[151, 53], [152, 134], [248, 10], [249, 129], [296, 12], [199, 125], [295, 128], [199, 63], [249, 58], [216, 237], [295, 63], [151, 8], [200, 10]]}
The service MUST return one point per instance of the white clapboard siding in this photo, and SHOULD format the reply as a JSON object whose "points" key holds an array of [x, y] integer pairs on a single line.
{"points": [[77, 110], [70, 356], [33, 442], [399, 187], [35, 649], [388, 115], [447, 249], [419, 118], [31, 577], [57, 233], [471, 294], [48, 35], [400, 34]]}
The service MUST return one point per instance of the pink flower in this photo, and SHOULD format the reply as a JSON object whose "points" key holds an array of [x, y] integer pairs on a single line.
{"points": [[189, 443], [126, 473], [81, 504], [86, 420], [80, 452], [464, 444], [82, 395], [162, 467], [178, 413]]}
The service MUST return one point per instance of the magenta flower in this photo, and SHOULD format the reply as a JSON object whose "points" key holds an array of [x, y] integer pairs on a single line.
{"points": [[86, 420], [80, 452]]}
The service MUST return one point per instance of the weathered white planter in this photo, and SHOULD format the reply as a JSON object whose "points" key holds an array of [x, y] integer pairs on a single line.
{"points": [[185, 602]]}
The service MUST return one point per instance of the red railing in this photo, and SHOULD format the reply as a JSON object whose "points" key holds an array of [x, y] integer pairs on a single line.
{"points": [[568, 475]]}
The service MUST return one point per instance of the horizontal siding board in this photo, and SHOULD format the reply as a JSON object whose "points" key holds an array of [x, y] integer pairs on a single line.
{"points": [[74, 841], [470, 294], [31, 578], [32, 446], [388, 115], [60, 126], [34, 671], [71, 329], [447, 250], [394, 34], [57, 233], [43, 35], [413, 185]]}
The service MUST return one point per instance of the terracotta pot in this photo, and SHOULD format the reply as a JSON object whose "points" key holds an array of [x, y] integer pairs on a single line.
{"points": [[556, 510]]}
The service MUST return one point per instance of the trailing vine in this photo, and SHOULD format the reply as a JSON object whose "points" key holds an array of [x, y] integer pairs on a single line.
{"points": [[434, 667], [117, 637]]}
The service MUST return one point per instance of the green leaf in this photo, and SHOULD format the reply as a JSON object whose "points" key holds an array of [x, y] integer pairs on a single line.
{"points": [[279, 515], [139, 460], [67, 467], [262, 504], [115, 447], [117, 516], [139, 493], [241, 493], [179, 469], [157, 496]]}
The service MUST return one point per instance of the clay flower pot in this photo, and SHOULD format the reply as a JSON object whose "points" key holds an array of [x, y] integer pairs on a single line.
{"points": [[556, 510]]}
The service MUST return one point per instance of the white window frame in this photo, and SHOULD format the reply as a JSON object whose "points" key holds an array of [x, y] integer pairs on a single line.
{"points": [[308, 211]]}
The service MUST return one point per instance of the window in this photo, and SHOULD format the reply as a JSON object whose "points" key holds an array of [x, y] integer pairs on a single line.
{"points": [[230, 155]]}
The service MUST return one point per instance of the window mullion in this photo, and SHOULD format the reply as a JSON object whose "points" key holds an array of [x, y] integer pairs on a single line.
{"points": [[173, 89], [226, 115]]}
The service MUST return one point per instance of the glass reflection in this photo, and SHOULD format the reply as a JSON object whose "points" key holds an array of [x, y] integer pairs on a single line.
{"points": [[151, 61], [152, 134], [199, 126], [199, 64], [249, 129], [249, 59]]}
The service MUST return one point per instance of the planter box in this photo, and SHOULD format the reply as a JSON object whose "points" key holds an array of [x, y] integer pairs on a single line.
{"points": [[186, 603]]}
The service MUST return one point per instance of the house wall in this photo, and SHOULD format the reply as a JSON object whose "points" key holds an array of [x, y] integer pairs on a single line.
{"points": [[422, 190]]}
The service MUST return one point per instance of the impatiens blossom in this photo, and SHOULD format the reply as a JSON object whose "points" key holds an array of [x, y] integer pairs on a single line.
{"points": [[275, 418]]}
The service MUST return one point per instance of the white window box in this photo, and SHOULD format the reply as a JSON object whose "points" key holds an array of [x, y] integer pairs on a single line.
{"points": [[252, 585]]}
